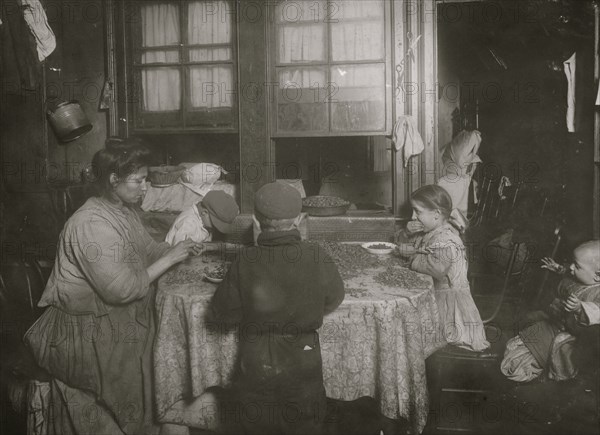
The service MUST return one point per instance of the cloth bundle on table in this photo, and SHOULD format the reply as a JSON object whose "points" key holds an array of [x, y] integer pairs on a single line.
{"points": [[195, 182], [460, 160]]}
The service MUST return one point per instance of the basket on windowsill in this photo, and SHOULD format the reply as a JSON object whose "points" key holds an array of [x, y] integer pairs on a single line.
{"points": [[164, 176]]}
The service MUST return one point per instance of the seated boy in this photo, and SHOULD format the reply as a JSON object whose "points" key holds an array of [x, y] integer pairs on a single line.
{"points": [[277, 293], [547, 343], [217, 210]]}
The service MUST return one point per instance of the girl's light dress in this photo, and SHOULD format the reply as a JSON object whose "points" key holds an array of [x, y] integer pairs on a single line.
{"points": [[441, 254]]}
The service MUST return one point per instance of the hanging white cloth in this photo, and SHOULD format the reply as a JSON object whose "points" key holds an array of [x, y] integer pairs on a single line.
{"points": [[460, 160], [570, 67], [36, 20], [211, 35], [406, 138]]}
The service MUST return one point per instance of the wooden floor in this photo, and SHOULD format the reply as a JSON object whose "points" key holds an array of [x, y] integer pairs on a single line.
{"points": [[501, 406], [504, 407]]}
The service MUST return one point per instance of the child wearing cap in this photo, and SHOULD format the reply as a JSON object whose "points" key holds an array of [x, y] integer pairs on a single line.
{"points": [[280, 291], [217, 210]]}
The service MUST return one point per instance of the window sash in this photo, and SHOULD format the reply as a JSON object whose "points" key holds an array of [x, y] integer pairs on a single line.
{"points": [[302, 113], [185, 57]]}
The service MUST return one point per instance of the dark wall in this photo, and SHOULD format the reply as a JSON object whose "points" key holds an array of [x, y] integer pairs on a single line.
{"points": [[34, 162], [510, 63]]}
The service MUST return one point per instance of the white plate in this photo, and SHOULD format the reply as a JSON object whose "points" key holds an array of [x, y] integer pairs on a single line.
{"points": [[161, 185], [379, 251]]}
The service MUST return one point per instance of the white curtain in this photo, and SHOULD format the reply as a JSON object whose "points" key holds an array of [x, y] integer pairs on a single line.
{"points": [[211, 86], [302, 43], [356, 30], [161, 87], [301, 78]]}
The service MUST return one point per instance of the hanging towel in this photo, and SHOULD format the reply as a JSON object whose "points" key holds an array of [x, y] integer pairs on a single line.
{"points": [[570, 73], [36, 19], [406, 137]]}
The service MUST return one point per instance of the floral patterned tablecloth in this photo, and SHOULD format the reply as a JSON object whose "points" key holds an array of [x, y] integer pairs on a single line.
{"points": [[375, 344]]}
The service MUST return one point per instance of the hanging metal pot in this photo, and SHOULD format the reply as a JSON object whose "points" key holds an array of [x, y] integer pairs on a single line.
{"points": [[69, 121]]}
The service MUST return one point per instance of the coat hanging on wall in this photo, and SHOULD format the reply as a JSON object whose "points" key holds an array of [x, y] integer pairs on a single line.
{"points": [[23, 43]]}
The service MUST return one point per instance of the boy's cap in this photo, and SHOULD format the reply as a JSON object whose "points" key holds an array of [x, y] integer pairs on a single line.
{"points": [[222, 209], [278, 200]]}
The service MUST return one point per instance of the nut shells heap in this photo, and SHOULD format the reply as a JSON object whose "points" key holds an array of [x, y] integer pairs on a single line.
{"points": [[324, 201], [184, 276], [353, 259]]}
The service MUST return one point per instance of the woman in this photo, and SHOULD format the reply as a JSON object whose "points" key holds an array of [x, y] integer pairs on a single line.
{"points": [[95, 338]]}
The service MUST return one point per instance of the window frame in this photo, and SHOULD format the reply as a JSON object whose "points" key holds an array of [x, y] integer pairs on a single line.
{"points": [[274, 66], [186, 119]]}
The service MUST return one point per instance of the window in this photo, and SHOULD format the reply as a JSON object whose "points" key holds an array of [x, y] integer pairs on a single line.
{"points": [[332, 69], [183, 65]]}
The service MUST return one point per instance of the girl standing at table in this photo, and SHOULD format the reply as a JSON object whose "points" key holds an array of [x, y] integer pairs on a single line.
{"points": [[96, 335], [438, 251]]}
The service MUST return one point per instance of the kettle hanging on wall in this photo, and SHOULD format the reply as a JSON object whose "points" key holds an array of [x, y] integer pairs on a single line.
{"points": [[69, 121]]}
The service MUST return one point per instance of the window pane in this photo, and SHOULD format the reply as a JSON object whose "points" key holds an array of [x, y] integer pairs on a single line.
{"points": [[303, 43], [300, 100], [358, 103], [357, 41], [357, 34], [166, 56], [211, 86], [356, 9], [161, 89], [209, 22], [299, 11], [160, 25], [209, 54]]}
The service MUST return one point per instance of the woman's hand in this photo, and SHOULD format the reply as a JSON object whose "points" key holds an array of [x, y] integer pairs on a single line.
{"points": [[551, 265], [413, 227], [183, 250], [572, 304]]}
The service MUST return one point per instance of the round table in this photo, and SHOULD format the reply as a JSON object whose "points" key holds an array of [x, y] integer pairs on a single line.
{"points": [[374, 344]]}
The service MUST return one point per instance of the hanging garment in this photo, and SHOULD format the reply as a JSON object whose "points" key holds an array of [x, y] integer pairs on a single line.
{"points": [[570, 73], [460, 159], [35, 17], [406, 137]]}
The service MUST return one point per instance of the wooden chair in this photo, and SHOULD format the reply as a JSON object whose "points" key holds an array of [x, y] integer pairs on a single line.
{"points": [[496, 200], [545, 274], [463, 379], [21, 286]]}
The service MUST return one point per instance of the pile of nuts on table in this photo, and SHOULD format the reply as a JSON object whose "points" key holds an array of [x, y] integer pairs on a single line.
{"points": [[185, 276], [353, 259], [324, 201], [400, 277]]}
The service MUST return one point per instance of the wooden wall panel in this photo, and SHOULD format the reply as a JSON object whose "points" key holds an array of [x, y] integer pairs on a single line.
{"points": [[76, 71], [416, 93], [255, 145]]}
